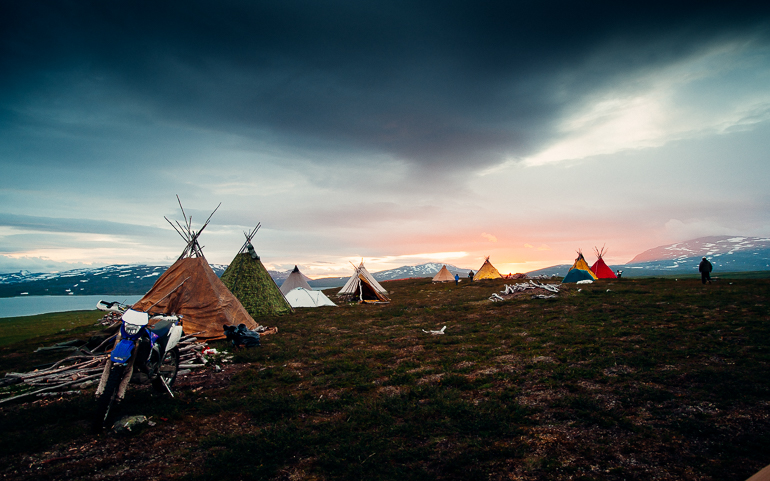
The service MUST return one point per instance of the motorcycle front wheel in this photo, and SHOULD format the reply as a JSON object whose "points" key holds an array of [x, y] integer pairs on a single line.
{"points": [[106, 400], [167, 370]]}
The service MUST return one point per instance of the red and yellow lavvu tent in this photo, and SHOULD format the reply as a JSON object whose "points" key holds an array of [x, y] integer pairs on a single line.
{"points": [[579, 271]]}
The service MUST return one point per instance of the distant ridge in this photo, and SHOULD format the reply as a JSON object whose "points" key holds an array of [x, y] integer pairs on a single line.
{"points": [[137, 279], [404, 272], [423, 270], [726, 253], [559, 270], [107, 280], [714, 246]]}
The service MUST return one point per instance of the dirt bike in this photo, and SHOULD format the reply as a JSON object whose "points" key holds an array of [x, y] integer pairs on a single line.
{"points": [[142, 354]]}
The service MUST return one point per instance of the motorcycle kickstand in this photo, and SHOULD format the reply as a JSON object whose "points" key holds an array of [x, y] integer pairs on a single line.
{"points": [[166, 386]]}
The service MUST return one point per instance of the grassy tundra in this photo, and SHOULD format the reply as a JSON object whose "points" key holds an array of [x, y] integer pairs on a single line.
{"points": [[631, 379]]}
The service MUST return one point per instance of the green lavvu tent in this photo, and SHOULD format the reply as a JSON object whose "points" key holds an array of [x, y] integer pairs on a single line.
{"points": [[250, 282]]}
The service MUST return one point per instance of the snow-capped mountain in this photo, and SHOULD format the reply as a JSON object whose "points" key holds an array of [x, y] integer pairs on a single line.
{"points": [[404, 272], [114, 279], [726, 253], [279, 276], [423, 270], [106, 272], [715, 246]]}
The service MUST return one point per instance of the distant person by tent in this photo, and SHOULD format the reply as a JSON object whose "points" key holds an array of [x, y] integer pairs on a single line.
{"points": [[457, 279], [705, 269], [470, 276]]}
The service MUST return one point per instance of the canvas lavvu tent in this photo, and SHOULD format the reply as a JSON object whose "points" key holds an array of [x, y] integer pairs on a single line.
{"points": [[600, 269], [443, 275], [250, 282], [487, 271], [364, 287], [295, 279], [579, 271], [191, 288]]}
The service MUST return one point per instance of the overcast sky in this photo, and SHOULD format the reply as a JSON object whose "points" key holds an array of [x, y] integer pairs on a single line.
{"points": [[397, 132]]}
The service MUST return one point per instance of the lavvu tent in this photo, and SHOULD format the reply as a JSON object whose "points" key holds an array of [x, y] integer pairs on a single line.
{"points": [[191, 288], [487, 271], [600, 269], [443, 275], [364, 287], [250, 282], [295, 279], [579, 271]]}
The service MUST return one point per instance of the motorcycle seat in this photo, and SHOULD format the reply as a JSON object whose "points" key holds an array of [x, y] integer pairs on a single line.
{"points": [[161, 328]]}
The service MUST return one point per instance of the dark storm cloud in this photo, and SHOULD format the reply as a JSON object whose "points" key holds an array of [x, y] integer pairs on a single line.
{"points": [[427, 82]]}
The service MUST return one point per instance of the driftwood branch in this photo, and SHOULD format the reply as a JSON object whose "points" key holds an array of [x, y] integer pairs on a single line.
{"points": [[524, 286], [112, 337]]}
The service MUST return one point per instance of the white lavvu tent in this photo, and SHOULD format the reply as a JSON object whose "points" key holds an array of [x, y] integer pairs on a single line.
{"points": [[301, 297], [443, 275], [363, 286], [295, 279]]}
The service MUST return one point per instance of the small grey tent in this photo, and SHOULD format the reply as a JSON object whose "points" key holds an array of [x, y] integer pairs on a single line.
{"points": [[295, 279]]}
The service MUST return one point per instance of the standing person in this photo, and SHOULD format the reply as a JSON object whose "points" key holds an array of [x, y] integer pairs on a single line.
{"points": [[457, 279], [705, 269], [470, 276]]}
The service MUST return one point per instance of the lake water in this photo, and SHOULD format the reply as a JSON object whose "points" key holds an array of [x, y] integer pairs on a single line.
{"points": [[31, 305]]}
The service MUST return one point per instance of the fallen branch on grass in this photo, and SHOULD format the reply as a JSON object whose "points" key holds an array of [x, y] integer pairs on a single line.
{"points": [[435, 333], [46, 389], [547, 287]]}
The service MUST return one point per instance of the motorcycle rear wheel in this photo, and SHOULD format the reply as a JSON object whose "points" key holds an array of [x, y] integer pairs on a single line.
{"points": [[169, 366], [107, 399]]}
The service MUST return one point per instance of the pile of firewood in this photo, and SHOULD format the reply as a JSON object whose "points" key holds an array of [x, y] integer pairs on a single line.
{"points": [[82, 370], [525, 286], [190, 355]]}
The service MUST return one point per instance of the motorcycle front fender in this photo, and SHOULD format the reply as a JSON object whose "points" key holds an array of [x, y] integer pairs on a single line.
{"points": [[122, 352]]}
